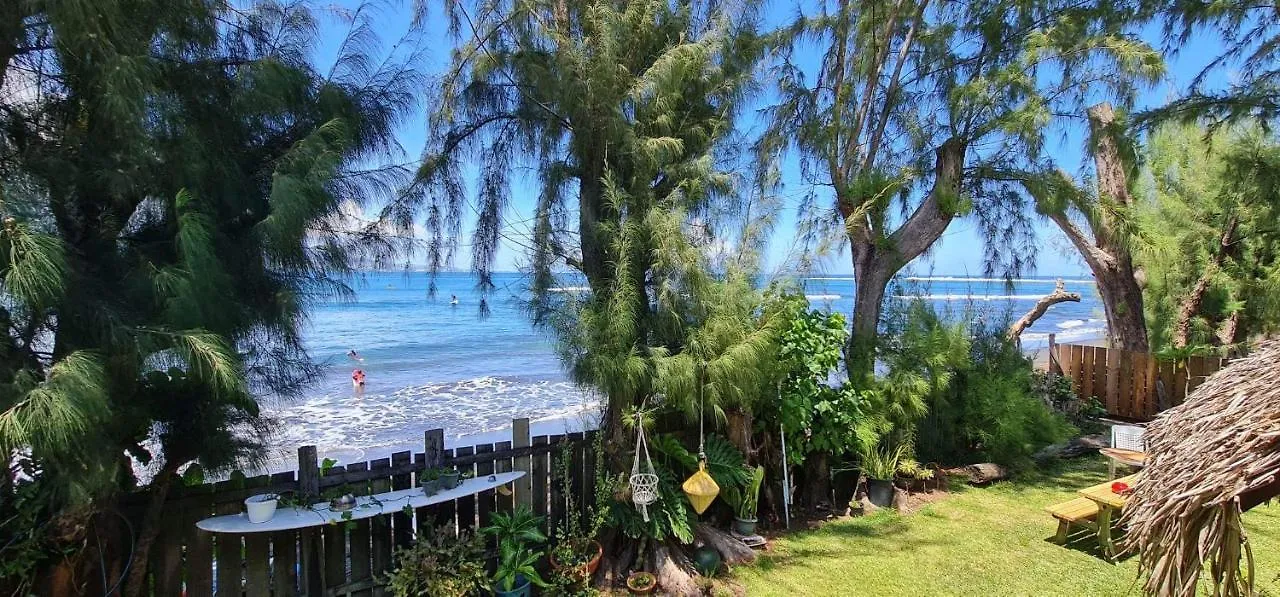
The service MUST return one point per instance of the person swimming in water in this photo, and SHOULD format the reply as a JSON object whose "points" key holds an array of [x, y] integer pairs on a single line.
{"points": [[357, 380], [353, 355], [453, 300]]}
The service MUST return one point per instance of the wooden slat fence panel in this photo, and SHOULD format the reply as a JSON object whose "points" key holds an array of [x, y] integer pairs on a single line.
{"points": [[1131, 385], [348, 559]]}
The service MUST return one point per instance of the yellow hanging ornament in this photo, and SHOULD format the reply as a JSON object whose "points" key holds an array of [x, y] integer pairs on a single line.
{"points": [[701, 488]]}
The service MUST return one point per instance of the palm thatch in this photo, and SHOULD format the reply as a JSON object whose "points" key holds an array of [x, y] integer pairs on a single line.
{"points": [[1208, 460]]}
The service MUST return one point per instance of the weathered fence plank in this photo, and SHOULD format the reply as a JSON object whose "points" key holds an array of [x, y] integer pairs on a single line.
{"points": [[1132, 385], [467, 505], [380, 526], [538, 483]]}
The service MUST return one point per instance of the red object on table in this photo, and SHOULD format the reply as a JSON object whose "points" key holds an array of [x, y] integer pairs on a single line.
{"points": [[1119, 487]]}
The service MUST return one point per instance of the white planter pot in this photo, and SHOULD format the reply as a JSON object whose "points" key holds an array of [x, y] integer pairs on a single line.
{"points": [[260, 507]]}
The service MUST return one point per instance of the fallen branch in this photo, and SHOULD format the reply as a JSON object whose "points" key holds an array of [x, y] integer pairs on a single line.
{"points": [[1059, 295], [732, 551]]}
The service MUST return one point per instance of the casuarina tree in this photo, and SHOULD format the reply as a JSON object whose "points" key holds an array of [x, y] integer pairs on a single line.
{"points": [[914, 109], [175, 176]]}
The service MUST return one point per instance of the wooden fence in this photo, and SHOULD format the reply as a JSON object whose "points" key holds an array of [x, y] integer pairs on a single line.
{"points": [[1130, 385], [351, 558]]}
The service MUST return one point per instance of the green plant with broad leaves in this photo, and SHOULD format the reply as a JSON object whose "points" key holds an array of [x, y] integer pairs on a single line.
{"points": [[515, 533], [519, 527], [442, 563]]}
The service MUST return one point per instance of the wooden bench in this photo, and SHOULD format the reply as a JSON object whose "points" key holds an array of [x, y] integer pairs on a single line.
{"points": [[1080, 511]]}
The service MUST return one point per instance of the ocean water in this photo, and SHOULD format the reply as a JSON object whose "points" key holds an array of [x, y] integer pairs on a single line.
{"points": [[430, 364]]}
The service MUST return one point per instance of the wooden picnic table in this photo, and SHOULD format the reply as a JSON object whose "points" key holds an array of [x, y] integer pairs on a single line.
{"points": [[1121, 456], [1109, 502]]}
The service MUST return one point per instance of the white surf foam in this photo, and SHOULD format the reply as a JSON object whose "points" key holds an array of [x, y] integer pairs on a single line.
{"points": [[1016, 280], [1071, 323], [569, 289], [973, 297], [822, 297]]}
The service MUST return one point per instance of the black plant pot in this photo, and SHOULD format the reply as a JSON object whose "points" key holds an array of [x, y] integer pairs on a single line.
{"points": [[880, 492]]}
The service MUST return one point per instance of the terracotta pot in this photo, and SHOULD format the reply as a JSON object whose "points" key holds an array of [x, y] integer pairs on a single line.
{"points": [[591, 564], [653, 585]]}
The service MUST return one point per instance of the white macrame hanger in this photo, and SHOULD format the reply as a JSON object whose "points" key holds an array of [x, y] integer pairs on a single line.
{"points": [[644, 482]]}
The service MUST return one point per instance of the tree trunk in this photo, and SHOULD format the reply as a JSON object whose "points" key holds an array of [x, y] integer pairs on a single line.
{"points": [[1190, 305], [738, 430], [870, 279], [1059, 295], [149, 530], [1107, 252], [817, 477], [877, 257], [673, 575]]}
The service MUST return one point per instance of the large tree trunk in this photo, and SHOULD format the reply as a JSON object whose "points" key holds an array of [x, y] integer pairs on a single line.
{"points": [[877, 258], [1107, 252], [149, 530]]}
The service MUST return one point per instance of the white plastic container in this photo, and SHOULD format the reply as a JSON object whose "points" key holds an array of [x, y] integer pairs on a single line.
{"points": [[261, 507]]}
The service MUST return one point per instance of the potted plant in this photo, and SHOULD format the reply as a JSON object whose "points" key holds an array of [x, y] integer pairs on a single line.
{"points": [[880, 465], [260, 508], [642, 583], [744, 523], [450, 478], [515, 533], [440, 565], [430, 480], [575, 549]]}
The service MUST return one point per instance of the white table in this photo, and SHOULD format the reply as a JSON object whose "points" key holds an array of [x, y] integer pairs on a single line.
{"points": [[368, 506]]}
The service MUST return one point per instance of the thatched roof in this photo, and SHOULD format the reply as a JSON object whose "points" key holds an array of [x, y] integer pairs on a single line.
{"points": [[1207, 460]]}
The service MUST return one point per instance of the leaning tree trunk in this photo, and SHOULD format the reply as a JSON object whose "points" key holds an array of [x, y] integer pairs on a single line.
{"points": [[1190, 306], [877, 257], [1106, 251]]}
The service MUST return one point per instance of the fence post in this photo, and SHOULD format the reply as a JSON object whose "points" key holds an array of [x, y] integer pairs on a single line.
{"points": [[434, 441], [1053, 356], [520, 439], [309, 488]]}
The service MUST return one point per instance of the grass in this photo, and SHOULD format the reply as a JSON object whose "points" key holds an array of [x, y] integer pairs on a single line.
{"points": [[979, 541]]}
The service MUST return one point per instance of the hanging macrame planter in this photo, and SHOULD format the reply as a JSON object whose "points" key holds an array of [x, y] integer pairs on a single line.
{"points": [[700, 487], [644, 481]]}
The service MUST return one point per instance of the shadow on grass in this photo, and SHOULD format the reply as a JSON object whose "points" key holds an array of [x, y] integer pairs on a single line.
{"points": [[1086, 542]]}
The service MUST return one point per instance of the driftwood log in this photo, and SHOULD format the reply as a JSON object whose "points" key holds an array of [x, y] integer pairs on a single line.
{"points": [[978, 474], [1059, 295], [672, 570], [732, 551]]}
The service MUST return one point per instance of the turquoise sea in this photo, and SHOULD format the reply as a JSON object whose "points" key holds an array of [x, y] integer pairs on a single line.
{"points": [[432, 364]]}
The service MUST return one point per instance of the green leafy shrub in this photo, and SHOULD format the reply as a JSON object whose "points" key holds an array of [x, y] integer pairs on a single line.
{"points": [[440, 564], [976, 389]]}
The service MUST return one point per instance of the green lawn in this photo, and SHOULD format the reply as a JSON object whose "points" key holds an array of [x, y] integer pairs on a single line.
{"points": [[980, 541]]}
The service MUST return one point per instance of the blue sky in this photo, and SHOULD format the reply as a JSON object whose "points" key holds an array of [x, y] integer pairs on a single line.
{"points": [[959, 251]]}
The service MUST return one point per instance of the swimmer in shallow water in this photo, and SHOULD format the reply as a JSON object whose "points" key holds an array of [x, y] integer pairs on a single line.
{"points": [[453, 300], [357, 381], [354, 356]]}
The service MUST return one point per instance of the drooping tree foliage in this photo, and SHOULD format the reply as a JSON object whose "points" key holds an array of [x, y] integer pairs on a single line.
{"points": [[1250, 36], [1208, 236], [916, 105], [174, 179], [616, 111]]}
